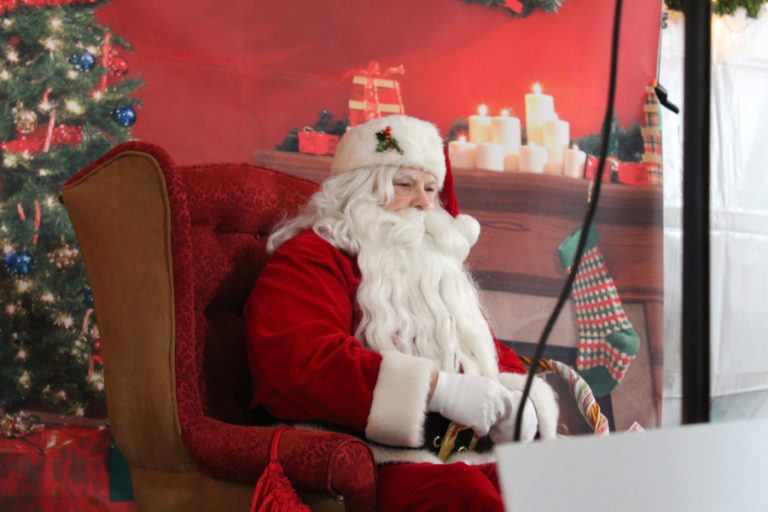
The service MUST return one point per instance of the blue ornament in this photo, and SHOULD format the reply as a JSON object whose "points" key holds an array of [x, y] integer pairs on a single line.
{"points": [[88, 297], [83, 62], [18, 263], [125, 116]]}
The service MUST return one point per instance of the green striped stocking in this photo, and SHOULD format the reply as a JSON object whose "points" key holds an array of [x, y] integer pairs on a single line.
{"points": [[607, 341]]}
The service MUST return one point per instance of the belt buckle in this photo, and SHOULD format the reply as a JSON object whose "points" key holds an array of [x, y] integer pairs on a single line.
{"points": [[449, 441]]}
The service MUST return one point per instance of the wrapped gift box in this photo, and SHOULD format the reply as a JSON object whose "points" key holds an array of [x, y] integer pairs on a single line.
{"points": [[374, 94], [317, 143], [633, 173], [611, 165]]}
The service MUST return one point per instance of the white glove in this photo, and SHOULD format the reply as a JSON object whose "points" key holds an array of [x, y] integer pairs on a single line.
{"points": [[470, 400], [504, 430]]}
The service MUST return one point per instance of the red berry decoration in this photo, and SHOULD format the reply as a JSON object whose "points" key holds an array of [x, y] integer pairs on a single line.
{"points": [[386, 141]]}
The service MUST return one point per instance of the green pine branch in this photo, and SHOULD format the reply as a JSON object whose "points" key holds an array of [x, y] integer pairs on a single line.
{"points": [[528, 6], [723, 7]]}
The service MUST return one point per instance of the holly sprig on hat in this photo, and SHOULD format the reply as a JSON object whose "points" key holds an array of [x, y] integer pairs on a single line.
{"points": [[387, 141]]}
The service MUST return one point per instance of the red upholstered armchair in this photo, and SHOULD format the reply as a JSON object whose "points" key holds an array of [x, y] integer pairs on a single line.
{"points": [[171, 253]]}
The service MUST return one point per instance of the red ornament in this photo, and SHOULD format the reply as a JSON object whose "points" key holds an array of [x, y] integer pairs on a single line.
{"points": [[118, 68], [69, 135]]}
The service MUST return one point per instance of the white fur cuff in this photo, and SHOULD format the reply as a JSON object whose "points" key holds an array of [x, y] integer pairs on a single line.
{"points": [[399, 402], [543, 398]]}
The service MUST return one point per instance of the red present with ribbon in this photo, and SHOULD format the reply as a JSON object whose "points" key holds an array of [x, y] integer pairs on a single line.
{"points": [[374, 93], [317, 143]]}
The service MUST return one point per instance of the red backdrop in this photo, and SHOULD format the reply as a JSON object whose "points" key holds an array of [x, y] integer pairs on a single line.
{"points": [[225, 78]]}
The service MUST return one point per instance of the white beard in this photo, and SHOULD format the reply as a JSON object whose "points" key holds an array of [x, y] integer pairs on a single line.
{"points": [[416, 295]]}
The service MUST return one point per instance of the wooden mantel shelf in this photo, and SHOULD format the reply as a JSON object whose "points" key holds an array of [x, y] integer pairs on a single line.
{"points": [[526, 216]]}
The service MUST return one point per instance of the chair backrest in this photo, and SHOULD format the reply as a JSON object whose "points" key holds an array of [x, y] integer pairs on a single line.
{"points": [[231, 210]]}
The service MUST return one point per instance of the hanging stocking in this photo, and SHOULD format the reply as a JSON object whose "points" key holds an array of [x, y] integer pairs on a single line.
{"points": [[607, 341]]}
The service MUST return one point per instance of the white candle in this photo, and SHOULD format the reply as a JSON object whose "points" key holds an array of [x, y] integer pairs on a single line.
{"points": [[505, 130], [512, 161], [462, 153], [532, 158], [556, 136], [538, 108], [490, 156], [480, 126], [574, 162]]}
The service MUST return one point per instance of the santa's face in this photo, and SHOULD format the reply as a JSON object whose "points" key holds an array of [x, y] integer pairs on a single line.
{"points": [[413, 188]]}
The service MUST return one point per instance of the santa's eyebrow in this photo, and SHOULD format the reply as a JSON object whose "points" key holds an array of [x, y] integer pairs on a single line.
{"points": [[402, 175]]}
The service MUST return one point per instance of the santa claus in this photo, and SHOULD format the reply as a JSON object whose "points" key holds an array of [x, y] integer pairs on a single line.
{"points": [[366, 319]]}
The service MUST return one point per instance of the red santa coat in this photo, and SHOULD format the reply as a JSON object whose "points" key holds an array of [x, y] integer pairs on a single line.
{"points": [[307, 365]]}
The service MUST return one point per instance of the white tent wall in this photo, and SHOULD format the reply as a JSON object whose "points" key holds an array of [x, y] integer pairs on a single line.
{"points": [[738, 219]]}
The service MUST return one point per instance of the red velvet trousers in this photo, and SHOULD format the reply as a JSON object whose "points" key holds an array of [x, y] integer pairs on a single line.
{"points": [[439, 487]]}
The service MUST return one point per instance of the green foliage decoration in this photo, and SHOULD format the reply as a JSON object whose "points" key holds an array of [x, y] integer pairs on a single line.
{"points": [[722, 7], [521, 8]]}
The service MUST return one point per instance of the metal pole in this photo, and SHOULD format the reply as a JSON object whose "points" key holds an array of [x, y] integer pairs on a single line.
{"points": [[695, 335]]}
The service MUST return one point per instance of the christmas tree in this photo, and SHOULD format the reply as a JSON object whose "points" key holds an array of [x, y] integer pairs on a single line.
{"points": [[64, 102]]}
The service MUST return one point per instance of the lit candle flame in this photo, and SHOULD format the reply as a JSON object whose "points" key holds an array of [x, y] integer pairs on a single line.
{"points": [[537, 88], [482, 110], [462, 138], [505, 112]]}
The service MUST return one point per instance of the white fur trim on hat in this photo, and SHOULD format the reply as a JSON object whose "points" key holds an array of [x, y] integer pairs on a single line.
{"points": [[419, 141]]}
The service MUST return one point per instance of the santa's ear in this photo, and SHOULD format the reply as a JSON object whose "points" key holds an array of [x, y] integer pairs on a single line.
{"points": [[447, 194]]}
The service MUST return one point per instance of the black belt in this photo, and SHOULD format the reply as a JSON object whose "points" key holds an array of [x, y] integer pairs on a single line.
{"points": [[444, 438]]}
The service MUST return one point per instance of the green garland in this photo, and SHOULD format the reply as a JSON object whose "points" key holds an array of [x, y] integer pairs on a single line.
{"points": [[723, 7], [521, 8]]}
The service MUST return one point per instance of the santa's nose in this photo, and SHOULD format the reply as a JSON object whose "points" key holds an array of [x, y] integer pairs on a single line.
{"points": [[422, 200]]}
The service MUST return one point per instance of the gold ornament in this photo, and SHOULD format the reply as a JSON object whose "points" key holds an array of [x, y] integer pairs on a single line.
{"points": [[63, 256], [26, 120]]}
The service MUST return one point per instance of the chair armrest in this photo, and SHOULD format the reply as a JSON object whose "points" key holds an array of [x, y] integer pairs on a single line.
{"points": [[339, 464]]}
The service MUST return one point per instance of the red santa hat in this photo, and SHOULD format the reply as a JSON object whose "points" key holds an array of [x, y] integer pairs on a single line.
{"points": [[399, 141]]}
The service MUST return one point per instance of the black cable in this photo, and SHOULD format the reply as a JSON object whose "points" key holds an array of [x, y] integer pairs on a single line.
{"points": [[606, 132]]}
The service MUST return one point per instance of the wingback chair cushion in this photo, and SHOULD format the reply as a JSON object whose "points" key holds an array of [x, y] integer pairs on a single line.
{"points": [[232, 209], [172, 253]]}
